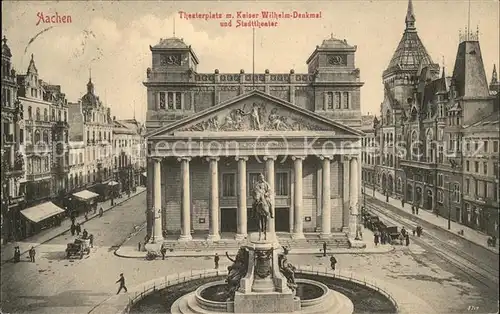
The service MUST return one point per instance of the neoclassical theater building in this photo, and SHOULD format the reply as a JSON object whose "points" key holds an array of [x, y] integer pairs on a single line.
{"points": [[211, 134]]}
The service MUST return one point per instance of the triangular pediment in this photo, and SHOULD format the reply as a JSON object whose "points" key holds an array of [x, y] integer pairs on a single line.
{"points": [[255, 112]]}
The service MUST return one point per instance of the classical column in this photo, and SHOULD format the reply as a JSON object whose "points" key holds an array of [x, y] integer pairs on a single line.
{"points": [[157, 221], [353, 193], [214, 199], [326, 214], [186, 200], [298, 218], [271, 180], [242, 198]]}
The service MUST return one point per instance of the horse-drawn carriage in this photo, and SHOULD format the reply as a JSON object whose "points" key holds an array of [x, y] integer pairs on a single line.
{"points": [[78, 248], [395, 237]]}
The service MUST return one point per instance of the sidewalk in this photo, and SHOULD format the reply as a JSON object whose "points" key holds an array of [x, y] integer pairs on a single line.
{"points": [[7, 250], [470, 234], [129, 248]]}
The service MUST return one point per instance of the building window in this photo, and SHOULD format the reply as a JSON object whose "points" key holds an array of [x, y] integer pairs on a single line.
{"points": [[45, 115], [346, 100], [37, 136], [228, 184], [440, 179], [178, 102], [440, 197], [30, 114], [467, 166], [495, 170], [495, 146], [467, 186], [162, 100], [37, 118], [329, 100], [456, 193], [337, 100], [485, 168], [170, 100], [485, 146], [282, 184]]}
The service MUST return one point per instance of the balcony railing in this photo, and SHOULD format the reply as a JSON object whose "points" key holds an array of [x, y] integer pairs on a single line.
{"points": [[38, 148], [38, 176], [61, 124]]}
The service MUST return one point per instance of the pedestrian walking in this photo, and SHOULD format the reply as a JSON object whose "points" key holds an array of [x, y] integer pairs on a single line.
{"points": [[163, 252], [376, 236], [403, 231], [403, 203], [416, 210], [78, 229], [414, 231], [413, 210], [333, 262], [32, 254], [139, 246], [419, 231], [73, 219], [101, 212], [407, 239], [73, 229], [85, 234], [324, 248], [216, 260], [86, 215], [17, 254], [91, 240], [122, 283], [359, 231]]}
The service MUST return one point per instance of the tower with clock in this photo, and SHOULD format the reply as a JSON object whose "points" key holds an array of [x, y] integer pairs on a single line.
{"points": [[336, 81], [172, 55]]}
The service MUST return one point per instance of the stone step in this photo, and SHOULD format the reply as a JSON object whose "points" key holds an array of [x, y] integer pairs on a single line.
{"points": [[226, 244]]}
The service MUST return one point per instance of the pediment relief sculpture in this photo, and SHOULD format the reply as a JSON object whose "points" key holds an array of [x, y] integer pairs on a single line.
{"points": [[256, 117]]}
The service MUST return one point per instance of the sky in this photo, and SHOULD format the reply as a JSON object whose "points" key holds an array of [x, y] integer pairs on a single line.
{"points": [[113, 38]]}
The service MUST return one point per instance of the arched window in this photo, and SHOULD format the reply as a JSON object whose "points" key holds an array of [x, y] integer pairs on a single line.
{"points": [[37, 137], [65, 116], [100, 136], [30, 113], [53, 116], [45, 115], [388, 118], [59, 116], [37, 117], [76, 180], [45, 136]]}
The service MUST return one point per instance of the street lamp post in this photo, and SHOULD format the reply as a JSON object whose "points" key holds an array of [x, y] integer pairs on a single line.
{"points": [[449, 205]]}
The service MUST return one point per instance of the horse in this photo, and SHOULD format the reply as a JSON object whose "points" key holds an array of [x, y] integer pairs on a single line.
{"points": [[262, 212]]}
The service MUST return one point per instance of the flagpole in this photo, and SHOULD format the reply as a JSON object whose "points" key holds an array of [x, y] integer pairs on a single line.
{"points": [[253, 58]]}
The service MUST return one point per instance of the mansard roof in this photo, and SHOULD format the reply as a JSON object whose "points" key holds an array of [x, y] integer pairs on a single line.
{"points": [[172, 42], [469, 75]]}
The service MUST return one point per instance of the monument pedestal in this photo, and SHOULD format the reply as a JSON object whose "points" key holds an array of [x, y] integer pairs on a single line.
{"points": [[264, 289]]}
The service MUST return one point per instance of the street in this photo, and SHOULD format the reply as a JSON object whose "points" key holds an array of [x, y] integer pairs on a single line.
{"points": [[55, 285]]}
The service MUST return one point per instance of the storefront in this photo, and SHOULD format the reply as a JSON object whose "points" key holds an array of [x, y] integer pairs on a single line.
{"points": [[40, 217], [87, 201]]}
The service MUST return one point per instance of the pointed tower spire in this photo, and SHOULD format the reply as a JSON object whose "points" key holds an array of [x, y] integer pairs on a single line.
{"points": [[90, 85], [494, 77], [410, 17], [443, 75]]}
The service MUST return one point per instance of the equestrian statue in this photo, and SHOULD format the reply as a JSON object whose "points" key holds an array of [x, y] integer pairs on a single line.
{"points": [[262, 207]]}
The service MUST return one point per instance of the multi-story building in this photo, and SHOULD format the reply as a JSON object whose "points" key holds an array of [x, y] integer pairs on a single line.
{"points": [[370, 154], [12, 158], [76, 176], [91, 123], [481, 174], [428, 115], [212, 134], [127, 151], [46, 136]]}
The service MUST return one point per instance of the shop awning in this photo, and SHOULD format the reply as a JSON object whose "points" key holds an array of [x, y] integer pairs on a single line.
{"points": [[113, 183], [145, 174], [41, 212], [85, 195]]}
